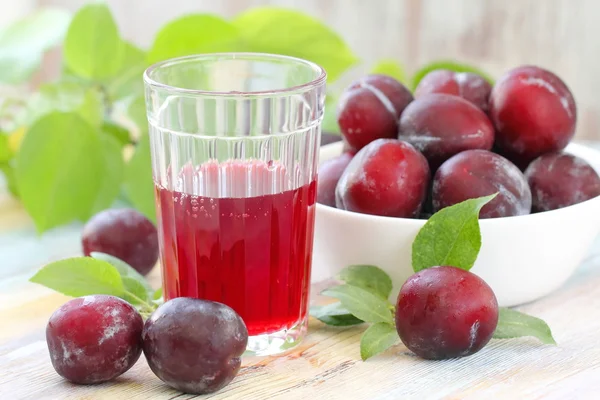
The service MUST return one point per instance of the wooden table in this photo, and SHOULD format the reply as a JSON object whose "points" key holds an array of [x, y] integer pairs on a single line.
{"points": [[326, 365]]}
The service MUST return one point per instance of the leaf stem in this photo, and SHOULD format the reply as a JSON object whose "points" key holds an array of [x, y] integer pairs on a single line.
{"points": [[148, 307]]}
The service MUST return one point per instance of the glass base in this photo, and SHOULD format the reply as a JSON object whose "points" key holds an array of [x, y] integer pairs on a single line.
{"points": [[277, 342]]}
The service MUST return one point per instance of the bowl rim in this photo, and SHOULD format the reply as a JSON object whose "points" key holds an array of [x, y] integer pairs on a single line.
{"points": [[578, 149]]}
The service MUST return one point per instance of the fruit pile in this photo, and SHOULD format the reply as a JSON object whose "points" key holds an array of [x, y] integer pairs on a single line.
{"points": [[458, 138]]}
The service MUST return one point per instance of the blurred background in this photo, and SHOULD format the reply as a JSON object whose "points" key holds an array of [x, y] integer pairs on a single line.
{"points": [[495, 35]]}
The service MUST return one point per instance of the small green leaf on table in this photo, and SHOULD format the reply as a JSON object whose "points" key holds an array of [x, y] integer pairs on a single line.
{"points": [[334, 314], [11, 181], [112, 175], [512, 324], [158, 294], [450, 237], [449, 65], [57, 170], [93, 48], [362, 303], [391, 68], [368, 277], [377, 338], [293, 33], [23, 43], [194, 34], [136, 111], [81, 276], [139, 185]]}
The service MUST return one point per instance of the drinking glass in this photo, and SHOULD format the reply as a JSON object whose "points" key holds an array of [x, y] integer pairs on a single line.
{"points": [[235, 142]]}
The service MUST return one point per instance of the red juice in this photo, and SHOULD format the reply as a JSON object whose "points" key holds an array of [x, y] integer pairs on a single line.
{"points": [[252, 253]]}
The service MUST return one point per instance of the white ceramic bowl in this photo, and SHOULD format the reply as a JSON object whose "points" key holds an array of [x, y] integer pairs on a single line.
{"points": [[522, 258]]}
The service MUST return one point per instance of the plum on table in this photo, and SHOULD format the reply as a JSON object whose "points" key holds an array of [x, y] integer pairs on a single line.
{"points": [[124, 233], [194, 345], [94, 339], [445, 312]]}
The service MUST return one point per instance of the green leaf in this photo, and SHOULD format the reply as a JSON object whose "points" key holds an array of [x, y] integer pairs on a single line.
{"points": [[450, 237], [330, 124], [65, 97], [334, 314], [158, 294], [112, 173], [377, 338], [58, 169], [129, 81], [194, 34], [139, 185], [11, 182], [136, 111], [284, 31], [449, 65], [5, 152], [23, 43], [391, 68], [361, 303], [119, 133], [135, 292], [80, 276], [512, 324], [368, 277], [93, 48], [125, 270]]}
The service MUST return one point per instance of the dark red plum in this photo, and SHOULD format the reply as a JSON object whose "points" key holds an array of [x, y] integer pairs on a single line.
{"points": [[330, 172], [442, 125], [387, 177], [369, 109], [195, 345], [478, 173], [560, 180], [123, 233], [94, 339], [468, 85], [534, 113], [445, 312]]}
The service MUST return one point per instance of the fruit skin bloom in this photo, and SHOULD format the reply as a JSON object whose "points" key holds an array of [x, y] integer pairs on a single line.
{"points": [[94, 339], [445, 312]]}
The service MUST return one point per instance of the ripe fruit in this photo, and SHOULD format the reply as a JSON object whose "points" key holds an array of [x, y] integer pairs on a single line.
{"points": [[369, 109], [445, 312], [534, 113], [387, 177], [559, 180], [329, 175], [194, 345], [441, 125], [123, 233], [478, 173], [470, 86], [94, 339]]}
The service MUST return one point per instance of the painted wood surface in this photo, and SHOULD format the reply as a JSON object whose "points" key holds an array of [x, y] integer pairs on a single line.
{"points": [[326, 365], [494, 34]]}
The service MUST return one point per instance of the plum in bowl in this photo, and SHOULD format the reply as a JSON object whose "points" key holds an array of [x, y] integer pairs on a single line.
{"points": [[522, 257]]}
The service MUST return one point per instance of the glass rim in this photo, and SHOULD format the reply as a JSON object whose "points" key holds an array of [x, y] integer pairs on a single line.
{"points": [[305, 87]]}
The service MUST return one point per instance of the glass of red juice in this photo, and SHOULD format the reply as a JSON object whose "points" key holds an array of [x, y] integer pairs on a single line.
{"points": [[234, 140]]}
